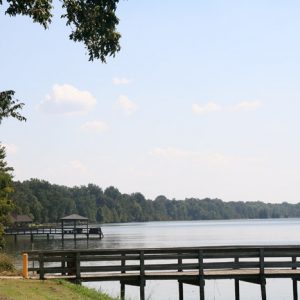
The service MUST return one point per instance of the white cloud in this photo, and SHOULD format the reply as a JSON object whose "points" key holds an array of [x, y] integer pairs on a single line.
{"points": [[126, 105], [247, 105], [94, 126], [121, 81], [10, 148], [78, 165], [207, 108], [67, 99]]}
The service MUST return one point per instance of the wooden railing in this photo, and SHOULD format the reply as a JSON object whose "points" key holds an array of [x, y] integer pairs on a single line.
{"points": [[187, 265]]}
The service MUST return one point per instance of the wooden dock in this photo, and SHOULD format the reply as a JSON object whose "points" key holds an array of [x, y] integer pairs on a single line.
{"points": [[253, 264], [48, 232]]}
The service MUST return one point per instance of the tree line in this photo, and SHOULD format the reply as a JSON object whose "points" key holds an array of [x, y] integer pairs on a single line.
{"points": [[47, 203]]}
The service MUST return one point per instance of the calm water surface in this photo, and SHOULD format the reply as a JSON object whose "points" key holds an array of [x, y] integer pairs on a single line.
{"points": [[185, 233]]}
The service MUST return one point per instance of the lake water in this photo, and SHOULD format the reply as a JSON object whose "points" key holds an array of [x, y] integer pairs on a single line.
{"points": [[185, 233]]}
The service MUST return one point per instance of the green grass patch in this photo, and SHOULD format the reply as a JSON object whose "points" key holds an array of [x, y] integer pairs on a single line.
{"points": [[21, 289]]}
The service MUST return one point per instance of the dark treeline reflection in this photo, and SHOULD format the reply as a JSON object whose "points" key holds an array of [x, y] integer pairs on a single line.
{"points": [[47, 203]]}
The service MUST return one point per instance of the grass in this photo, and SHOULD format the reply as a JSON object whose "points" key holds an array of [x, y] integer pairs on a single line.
{"points": [[21, 289]]}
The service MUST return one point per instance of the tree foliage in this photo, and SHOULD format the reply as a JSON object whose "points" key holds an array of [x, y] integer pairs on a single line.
{"points": [[9, 107], [47, 202], [92, 22], [6, 205]]}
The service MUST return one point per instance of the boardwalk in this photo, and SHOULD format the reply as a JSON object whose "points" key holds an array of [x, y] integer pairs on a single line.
{"points": [[50, 232], [185, 265]]}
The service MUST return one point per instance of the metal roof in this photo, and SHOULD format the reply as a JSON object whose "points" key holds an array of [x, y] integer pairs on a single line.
{"points": [[73, 217]]}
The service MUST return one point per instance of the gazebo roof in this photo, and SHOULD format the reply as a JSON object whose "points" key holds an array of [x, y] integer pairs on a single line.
{"points": [[74, 217]]}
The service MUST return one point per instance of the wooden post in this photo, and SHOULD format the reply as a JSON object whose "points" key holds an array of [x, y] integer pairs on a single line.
{"points": [[142, 274], [87, 229], [74, 229], [25, 266], [295, 289], [263, 289], [31, 237], [63, 264], [180, 288], [122, 292], [123, 263], [237, 283], [180, 284], [201, 273], [262, 274], [295, 282], [41, 266], [77, 267], [62, 230], [16, 238]]}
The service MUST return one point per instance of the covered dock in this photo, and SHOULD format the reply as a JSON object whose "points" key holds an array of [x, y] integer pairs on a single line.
{"points": [[71, 227]]}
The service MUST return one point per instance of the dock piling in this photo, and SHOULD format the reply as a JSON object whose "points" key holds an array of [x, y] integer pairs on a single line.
{"points": [[25, 266]]}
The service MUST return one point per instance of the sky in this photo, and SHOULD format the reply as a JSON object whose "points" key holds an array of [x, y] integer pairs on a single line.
{"points": [[203, 100]]}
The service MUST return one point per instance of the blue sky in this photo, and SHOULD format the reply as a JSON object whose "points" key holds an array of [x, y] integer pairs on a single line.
{"points": [[202, 101]]}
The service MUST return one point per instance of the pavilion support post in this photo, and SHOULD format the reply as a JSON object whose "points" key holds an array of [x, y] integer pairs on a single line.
{"points": [[31, 237], [62, 230], [87, 229], [74, 229]]}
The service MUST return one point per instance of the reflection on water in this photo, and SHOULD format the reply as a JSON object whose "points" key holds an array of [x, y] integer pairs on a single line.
{"points": [[183, 233]]}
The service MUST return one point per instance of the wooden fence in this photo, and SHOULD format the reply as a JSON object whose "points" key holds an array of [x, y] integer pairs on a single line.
{"points": [[253, 264]]}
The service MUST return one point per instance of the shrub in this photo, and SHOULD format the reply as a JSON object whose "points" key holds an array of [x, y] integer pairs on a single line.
{"points": [[6, 263]]}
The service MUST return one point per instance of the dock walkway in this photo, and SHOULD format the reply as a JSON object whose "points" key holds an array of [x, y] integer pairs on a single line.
{"points": [[52, 231], [192, 265]]}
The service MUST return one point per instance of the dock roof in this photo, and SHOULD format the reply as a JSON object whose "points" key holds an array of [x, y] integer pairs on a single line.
{"points": [[74, 217]]}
